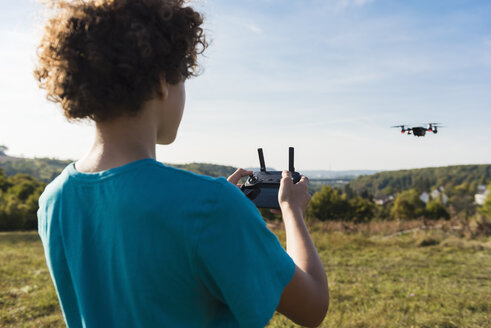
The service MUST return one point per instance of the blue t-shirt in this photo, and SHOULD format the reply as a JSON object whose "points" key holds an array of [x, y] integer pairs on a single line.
{"points": [[147, 245]]}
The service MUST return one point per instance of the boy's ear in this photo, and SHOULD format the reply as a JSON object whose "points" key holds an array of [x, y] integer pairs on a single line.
{"points": [[164, 89]]}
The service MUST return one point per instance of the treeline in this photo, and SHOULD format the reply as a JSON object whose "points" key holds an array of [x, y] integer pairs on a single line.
{"points": [[212, 170], [19, 196], [457, 183], [452, 178], [23, 180], [46, 169], [347, 205], [42, 169]]}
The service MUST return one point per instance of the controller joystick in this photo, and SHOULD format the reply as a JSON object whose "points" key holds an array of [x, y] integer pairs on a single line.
{"points": [[262, 187], [252, 178]]}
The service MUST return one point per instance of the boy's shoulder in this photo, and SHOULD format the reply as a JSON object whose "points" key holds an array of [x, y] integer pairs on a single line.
{"points": [[162, 175], [146, 174]]}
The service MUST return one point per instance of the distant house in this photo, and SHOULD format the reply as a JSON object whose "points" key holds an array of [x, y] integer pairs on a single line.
{"points": [[383, 200], [435, 194], [482, 194], [439, 194], [424, 197]]}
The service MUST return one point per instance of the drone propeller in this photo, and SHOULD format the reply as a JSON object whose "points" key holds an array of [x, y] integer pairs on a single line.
{"points": [[433, 124], [402, 127], [433, 127]]}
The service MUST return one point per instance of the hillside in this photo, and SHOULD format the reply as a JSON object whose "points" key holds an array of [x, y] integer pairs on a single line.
{"points": [[46, 169], [466, 177], [22, 180], [213, 170], [328, 174], [43, 169]]}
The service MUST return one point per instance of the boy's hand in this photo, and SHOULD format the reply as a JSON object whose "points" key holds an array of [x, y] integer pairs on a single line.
{"points": [[237, 175], [293, 196]]}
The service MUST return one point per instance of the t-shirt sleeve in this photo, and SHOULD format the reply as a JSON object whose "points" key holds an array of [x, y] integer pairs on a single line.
{"points": [[240, 261]]}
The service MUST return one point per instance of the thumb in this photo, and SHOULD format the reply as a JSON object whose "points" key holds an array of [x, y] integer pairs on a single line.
{"points": [[286, 177], [286, 174]]}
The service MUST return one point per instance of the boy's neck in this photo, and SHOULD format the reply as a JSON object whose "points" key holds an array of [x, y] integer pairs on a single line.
{"points": [[119, 142]]}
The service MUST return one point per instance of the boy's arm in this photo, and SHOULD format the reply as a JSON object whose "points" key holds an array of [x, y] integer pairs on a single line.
{"points": [[305, 299]]}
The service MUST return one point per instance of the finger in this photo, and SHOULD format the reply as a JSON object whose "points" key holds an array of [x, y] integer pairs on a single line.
{"points": [[237, 175], [304, 180], [304, 184]]}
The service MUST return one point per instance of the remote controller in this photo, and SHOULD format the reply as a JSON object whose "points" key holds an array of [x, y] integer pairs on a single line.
{"points": [[262, 187]]}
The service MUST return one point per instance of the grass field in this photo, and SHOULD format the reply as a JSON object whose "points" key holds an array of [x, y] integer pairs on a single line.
{"points": [[378, 278]]}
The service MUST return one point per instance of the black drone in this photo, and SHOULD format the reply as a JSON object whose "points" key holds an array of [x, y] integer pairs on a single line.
{"points": [[419, 131]]}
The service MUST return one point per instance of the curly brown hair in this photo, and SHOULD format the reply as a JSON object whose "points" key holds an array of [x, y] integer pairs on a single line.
{"points": [[104, 58]]}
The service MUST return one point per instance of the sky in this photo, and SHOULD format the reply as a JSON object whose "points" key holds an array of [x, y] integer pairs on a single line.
{"points": [[327, 77]]}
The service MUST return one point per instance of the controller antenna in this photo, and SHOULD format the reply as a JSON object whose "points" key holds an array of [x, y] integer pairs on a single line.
{"points": [[261, 159], [290, 160]]}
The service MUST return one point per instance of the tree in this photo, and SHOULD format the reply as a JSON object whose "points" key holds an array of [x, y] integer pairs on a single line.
{"points": [[407, 205], [19, 197], [350, 193], [435, 210], [12, 213], [3, 149], [31, 208], [362, 209], [486, 207], [329, 204], [4, 183], [462, 200]]}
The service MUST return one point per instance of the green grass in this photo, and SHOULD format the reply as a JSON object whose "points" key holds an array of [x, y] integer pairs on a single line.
{"points": [[27, 295], [418, 279], [400, 282]]}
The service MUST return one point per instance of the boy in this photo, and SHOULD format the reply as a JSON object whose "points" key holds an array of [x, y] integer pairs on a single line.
{"points": [[130, 242]]}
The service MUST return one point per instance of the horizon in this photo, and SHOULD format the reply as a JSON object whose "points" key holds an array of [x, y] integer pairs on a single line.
{"points": [[257, 167], [328, 78]]}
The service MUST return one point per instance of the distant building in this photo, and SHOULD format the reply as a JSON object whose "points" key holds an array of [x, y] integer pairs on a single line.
{"points": [[383, 200], [435, 193], [424, 197], [481, 189], [482, 194], [439, 194]]}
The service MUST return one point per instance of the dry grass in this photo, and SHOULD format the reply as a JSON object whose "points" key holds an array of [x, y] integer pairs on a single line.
{"points": [[27, 295], [404, 274]]}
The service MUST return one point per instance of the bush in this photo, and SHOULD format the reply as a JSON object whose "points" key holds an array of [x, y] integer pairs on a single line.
{"points": [[362, 209], [19, 197], [329, 204], [485, 210], [434, 210], [407, 205]]}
